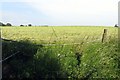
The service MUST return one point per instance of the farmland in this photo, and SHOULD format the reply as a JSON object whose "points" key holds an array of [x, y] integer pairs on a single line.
{"points": [[58, 34], [61, 52]]}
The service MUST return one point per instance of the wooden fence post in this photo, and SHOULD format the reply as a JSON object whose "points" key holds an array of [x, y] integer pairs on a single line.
{"points": [[104, 36]]}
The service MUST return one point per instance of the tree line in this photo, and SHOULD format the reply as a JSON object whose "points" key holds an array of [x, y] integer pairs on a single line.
{"points": [[9, 24]]}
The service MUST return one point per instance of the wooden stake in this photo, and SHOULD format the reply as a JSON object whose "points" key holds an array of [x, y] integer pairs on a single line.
{"points": [[104, 37]]}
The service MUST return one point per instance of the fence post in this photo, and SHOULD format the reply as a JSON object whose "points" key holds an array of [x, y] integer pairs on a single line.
{"points": [[104, 36]]}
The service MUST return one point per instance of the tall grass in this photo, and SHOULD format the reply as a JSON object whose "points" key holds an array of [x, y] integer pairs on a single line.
{"points": [[88, 59]]}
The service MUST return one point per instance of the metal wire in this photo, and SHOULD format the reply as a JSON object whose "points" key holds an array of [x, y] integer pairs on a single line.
{"points": [[9, 57]]}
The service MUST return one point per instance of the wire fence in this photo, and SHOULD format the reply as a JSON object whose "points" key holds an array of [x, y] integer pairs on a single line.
{"points": [[9, 57], [54, 35], [102, 39]]}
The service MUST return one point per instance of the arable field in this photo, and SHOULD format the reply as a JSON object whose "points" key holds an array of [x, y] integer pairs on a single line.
{"points": [[60, 52], [58, 34]]}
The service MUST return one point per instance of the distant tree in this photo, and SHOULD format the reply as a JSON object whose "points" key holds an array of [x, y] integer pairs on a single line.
{"points": [[116, 25], [21, 25], [1, 24], [29, 24], [8, 24]]}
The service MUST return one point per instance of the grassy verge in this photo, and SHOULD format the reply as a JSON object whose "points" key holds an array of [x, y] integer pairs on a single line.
{"points": [[85, 61]]}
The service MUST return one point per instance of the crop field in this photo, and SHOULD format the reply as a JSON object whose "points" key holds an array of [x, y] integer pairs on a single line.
{"points": [[74, 52], [58, 34]]}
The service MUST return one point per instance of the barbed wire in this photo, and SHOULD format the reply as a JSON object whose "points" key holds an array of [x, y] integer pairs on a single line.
{"points": [[9, 56], [42, 44]]}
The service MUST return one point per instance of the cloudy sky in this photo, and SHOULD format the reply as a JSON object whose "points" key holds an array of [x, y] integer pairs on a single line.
{"points": [[59, 12]]}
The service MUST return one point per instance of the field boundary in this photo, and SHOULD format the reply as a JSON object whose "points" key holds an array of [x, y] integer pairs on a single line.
{"points": [[51, 44]]}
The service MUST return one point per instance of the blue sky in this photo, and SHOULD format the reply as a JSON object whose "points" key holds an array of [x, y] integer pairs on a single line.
{"points": [[60, 12], [20, 13]]}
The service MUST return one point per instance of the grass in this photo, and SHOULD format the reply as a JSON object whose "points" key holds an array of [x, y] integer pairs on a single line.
{"points": [[61, 35], [88, 59]]}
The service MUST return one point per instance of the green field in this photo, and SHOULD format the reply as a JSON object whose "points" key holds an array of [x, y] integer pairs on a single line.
{"points": [[61, 52], [58, 34]]}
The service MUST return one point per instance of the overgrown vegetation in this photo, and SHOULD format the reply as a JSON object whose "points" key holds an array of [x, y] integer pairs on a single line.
{"points": [[86, 60]]}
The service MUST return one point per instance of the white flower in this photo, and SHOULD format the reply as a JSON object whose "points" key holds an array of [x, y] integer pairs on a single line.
{"points": [[58, 54]]}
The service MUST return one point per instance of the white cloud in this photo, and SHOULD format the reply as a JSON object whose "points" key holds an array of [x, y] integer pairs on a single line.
{"points": [[59, 8], [91, 11]]}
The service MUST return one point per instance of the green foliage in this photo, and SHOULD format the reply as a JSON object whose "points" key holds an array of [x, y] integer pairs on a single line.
{"points": [[102, 59], [86, 60], [59, 60], [19, 65]]}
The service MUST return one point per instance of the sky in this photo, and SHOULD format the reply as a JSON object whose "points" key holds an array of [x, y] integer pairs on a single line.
{"points": [[59, 12]]}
